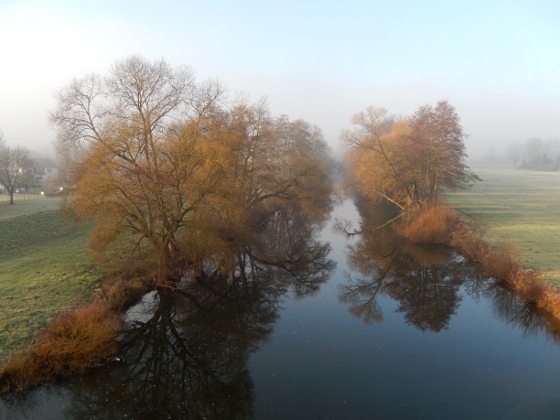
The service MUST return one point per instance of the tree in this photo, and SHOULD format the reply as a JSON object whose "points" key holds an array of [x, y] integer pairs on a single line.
{"points": [[411, 162], [133, 142], [373, 156], [425, 285], [171, 173], [515, 150], [16, 167]]}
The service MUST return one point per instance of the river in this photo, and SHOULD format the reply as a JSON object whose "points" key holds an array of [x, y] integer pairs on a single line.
{"points": [[364, 328]]}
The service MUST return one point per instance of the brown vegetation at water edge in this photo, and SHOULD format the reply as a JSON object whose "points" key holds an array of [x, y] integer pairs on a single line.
{"points": [[439, 224], [504, 265], [431, 224], [73, 340]]}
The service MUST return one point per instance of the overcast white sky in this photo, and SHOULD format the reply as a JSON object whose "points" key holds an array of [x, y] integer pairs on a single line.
{"points": [[497, 62]]}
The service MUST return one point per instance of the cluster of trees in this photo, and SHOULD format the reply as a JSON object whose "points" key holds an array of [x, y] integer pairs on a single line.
{"points": [[16, 167], [172, 171], [408, 162], [535, 153]]}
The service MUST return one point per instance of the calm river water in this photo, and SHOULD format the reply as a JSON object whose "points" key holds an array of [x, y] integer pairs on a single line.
{"points": [[373, 329]]}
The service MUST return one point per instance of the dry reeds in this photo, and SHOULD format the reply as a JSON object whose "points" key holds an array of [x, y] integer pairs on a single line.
{"points": [[432, 225], [504, 265], [74, 339], [436, 223]]}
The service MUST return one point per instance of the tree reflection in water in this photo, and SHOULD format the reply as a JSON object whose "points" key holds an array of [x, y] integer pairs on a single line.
{"points": [[188, 359], [513, 311], [185, 352], [427, 282]]}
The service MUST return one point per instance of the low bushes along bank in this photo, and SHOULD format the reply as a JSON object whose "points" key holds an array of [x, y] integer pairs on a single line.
{"points": [[437, 223], [75, 339], [504, 265]]}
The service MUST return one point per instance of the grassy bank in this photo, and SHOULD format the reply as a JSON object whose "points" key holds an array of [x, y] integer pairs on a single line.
{"points": [[44, 267], [522, 206]]}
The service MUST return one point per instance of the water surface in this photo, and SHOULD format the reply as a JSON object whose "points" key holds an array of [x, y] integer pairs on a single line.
{"points": [[372, 329]]}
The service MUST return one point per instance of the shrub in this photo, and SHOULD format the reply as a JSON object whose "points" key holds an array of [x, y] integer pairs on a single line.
{"points": [[503, 264], [530, 287], [468, 238], [550, 301], [434, 224], [74, 339], [120, 293]]}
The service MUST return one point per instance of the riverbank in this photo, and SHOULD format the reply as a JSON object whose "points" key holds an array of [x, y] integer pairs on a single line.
{"points": [[437, 223], [521, 206], [72, 341], [57, 311], [44, 267]]}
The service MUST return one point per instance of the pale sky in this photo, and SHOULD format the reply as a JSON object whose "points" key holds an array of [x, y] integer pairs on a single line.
{"points": [[497, 62]]}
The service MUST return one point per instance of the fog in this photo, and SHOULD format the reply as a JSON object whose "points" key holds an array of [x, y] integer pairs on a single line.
{"points": [[322, 62]]}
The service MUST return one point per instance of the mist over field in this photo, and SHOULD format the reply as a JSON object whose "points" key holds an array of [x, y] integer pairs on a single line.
{"points": [[321, 62]]}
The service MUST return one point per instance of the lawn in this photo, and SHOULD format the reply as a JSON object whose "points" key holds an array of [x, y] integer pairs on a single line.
{"points": [[520, 205], [44, 267], [25, 204]]}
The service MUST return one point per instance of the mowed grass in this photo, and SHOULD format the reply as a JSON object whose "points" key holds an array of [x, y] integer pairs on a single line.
{"points": [[25, 204], [520, 205], [44, 267]]}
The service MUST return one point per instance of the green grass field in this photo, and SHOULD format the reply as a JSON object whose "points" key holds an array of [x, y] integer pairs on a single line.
{"points": [[44, 267], [523, 206]]}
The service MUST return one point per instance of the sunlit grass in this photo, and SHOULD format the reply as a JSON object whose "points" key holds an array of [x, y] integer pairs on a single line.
{"points": [[44, 267], [520, 205]]}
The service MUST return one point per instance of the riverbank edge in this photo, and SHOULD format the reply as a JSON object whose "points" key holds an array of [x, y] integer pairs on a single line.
{"points": [[439, 223], [77, 338], [504, 265]]}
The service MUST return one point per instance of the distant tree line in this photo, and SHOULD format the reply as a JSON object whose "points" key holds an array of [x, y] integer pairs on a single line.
{"points": [[535, 153]]}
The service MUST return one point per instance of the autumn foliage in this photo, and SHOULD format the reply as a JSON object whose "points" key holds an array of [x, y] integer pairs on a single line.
{"points": [[167, 166], [74, 339], [432, 224], [504, 265], [437, 223], [408, 162]]}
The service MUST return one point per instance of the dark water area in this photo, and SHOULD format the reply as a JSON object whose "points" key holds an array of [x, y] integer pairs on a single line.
{"points": [[364, 328]]}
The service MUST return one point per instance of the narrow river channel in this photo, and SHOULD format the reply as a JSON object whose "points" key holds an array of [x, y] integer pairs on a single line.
{"points": [[373, 329]]}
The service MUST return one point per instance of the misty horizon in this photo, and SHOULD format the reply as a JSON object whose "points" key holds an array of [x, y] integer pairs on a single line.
{"points": [[318, 62]]}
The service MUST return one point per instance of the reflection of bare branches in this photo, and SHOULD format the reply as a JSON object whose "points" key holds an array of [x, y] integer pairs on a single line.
{"points": [[188, 357], [20, 405], [185, 351], [426, 289], [361, 295], [428, 297], [515, 312], [345, 227]]}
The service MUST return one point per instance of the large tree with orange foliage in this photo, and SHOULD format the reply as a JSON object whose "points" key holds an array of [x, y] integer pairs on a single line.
{"points": [[408, 162], [169, 171]]}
